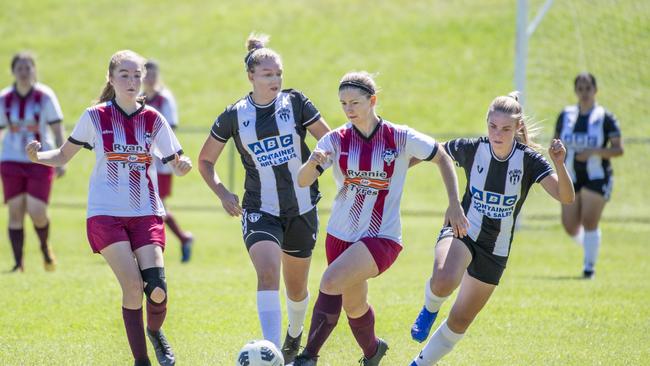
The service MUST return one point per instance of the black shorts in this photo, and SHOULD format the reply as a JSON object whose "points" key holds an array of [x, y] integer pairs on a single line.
{"points": [[601, 186], [295, 235], [485, 266]]}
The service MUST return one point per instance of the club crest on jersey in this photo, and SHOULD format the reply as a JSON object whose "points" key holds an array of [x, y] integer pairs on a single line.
{"points": [[254, 217], [389, 156], [514, 176], [284, 114], [147, 138]]}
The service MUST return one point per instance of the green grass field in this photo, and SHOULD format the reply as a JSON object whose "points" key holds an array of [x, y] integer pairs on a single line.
{"points": [[440, 64]]}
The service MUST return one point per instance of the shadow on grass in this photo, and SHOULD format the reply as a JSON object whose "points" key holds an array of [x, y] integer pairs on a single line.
{"points": [[557, 278]]}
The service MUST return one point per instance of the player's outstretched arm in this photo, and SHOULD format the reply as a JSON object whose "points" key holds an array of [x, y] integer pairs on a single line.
{"points": [[454, 216], [208, 157], [56, 157], [559, 185]]}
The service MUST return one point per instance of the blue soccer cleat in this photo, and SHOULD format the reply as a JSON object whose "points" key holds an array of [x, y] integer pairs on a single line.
{"points": [[422, 325], [186, 248], [413, 364]]}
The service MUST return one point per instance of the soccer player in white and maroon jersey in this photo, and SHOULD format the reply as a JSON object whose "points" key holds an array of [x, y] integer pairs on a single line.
{"points": [[28, 111], [500, 169], [160, 97], [124, 209], [592, 137], [370, 157], [279, 219]]}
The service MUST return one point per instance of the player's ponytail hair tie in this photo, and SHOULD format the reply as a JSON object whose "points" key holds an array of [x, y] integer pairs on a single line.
{"points": [[356, 84]]}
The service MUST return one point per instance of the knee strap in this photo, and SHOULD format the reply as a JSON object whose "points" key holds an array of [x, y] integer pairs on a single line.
{"points": [[154, 277]]}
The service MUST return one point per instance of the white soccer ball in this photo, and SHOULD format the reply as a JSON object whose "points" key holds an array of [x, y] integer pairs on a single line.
{"points": [[259, 353]]}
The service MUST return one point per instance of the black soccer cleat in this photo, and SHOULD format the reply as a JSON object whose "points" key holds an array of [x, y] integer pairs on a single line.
{"points": [[304, 359], [142, 362], [588, 275], [382, 347], [164, 352], [290, 348]]}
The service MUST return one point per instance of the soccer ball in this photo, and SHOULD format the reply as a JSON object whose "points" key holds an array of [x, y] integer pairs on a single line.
{"points": [[259, 353]]}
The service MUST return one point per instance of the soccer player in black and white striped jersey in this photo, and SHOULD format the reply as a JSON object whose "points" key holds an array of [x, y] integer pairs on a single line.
{"points": [[500, 170], [279, 218], [592, 136]]}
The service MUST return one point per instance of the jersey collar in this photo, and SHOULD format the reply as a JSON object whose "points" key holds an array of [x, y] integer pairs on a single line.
{"points": [[512, 151], [29, 92], [372, 134], [117, 106], [251, 101]]}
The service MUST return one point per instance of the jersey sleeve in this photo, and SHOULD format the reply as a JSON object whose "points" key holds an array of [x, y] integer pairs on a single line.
{"points": [[169, 110], [52, 110], [539, 167], [84, 133], [611, 126], [420, 146], [307, 112], [326, 145], [558, 125], [223, 127], [461, 150], [165, 144]]}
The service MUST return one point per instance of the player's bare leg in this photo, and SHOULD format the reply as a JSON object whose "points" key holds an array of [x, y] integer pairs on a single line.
{"points": [[451, 259], [17, 208], [37, 210], [472, 297]]}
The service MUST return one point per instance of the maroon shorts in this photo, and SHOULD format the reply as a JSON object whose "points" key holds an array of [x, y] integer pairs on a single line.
{"points": [[164, 185], [105, 230], [384, 251], [31, 178]]}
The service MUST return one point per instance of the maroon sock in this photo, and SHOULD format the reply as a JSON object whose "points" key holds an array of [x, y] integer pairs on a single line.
{"points": [[323, 320], [43, 234], [173, 226], [156, 315], [17, 238], [135, 333], [363, 329]]}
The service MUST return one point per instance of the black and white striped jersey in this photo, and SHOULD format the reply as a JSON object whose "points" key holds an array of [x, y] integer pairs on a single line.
{"points": [[496, 189], [586, 131], [271, 141]]}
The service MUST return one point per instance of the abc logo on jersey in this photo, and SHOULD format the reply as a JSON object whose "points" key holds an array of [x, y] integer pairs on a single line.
{"points": [[493, 198], [271, 143]]}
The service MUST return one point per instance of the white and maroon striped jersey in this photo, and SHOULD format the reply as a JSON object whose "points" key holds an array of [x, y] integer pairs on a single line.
{"points": [[370, 174], [27, 117], [124, 181], [164, 103]]}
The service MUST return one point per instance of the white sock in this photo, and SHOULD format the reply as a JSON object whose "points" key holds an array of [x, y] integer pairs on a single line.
{"points": [[580, 236], [296, 311], [440, 343], [270, 314], [591, 244], [431, 301]]}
